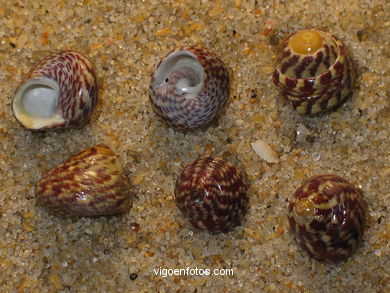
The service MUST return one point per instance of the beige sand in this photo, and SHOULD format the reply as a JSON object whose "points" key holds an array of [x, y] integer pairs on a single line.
{"points": [[125, 39]]}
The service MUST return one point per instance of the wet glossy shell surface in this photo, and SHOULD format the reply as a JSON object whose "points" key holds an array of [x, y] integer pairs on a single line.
{"points": [[91, 183], [212, 193], [327, 217]]}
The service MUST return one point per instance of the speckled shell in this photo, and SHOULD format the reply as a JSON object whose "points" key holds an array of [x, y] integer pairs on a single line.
{"points": [[189, 113], [318, 82], [78, 87], [91, 183], [212, 193], [327, 217]]}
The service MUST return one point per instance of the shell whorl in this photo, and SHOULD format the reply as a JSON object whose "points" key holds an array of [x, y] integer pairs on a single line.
{"points": [[189, 87], [327, 217], [318, 81]]}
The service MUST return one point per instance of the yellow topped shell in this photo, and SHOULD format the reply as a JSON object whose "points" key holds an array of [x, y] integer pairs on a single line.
{"points": [[305, 208], [306, 42]]}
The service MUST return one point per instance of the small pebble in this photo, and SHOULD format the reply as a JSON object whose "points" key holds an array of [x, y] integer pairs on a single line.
{"points": [[133, 276]]}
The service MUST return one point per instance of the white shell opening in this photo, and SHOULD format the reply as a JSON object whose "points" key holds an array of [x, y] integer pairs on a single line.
{"points": [[35, 103], [185, 64]]}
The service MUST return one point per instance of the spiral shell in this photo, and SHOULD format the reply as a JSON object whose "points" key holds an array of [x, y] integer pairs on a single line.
{"points": [[92, 183], [212, 193], [190, 87], [60, 91], [314, 71], [327, 217]]}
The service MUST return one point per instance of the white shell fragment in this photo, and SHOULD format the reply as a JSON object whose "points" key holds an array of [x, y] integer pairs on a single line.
{"points": [[264, 151], [302, 133]]}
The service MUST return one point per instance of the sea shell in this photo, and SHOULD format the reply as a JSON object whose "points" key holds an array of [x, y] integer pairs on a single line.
{"points": [[327, 217], [60, 91], [314, 71], [190, 87], [92, 183], [212, 193]]}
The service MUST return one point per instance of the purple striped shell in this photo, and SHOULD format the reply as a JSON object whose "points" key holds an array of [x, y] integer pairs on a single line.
{"points": [[60, 91], [91, 183], [189, 87], [327, 217], [212, 193], [317, 80]]}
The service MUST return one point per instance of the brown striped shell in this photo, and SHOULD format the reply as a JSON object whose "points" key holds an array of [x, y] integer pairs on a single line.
{"points": [[60, 91], [91, 183], [314, 71], [212, 194], [327, 217], [189, 87]]}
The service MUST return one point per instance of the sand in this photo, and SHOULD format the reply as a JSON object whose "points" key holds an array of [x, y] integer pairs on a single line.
{"points": [[40, 252]]}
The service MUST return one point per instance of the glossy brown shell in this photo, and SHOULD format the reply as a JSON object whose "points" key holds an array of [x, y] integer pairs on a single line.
{"points": [[327, 217], [91, 183], [212, 193]]}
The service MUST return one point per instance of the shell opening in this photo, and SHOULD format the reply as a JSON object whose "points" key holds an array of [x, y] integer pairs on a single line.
{"points": [[198, 195], [182, 72], [35, 103]]}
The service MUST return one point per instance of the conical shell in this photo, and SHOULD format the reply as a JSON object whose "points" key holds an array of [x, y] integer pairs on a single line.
{"points": [[91, 183]]}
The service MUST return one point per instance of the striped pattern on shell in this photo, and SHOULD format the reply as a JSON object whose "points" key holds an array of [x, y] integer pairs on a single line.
{"points": [[189, 87], [317, 82], [92, 183], [327, 217], [70, 83], [212, 193]]}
